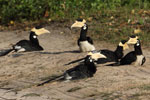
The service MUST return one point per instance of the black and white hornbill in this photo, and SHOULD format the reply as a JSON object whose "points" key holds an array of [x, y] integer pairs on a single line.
{"points": [[104, 56], [135, 57], [85, 43], [28, 45], [83, 70], [113, 56]]}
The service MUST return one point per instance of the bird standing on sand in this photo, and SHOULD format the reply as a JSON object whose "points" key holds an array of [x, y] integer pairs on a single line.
{"points": [[85, 43], [135, 57]]}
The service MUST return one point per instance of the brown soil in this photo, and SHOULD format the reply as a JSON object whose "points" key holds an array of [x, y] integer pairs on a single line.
{"points": [[20, 72]]}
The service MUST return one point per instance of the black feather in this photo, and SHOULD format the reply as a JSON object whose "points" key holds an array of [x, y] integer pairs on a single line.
{"points": [[131, 57], [111, 56], [39, 27], [143, 60], [89, 40], [114, 64], [5, 52], [29, 45], [79, 19], [50, 80], [78, 42], [75, 61]]}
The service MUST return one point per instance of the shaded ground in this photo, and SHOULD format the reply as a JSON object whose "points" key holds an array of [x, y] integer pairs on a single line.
{"points": [[19, 73]]}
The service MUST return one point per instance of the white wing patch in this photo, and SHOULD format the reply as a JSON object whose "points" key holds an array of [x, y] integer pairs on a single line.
{"points": [[19, 48], [139, 60], [67, 76], [86, 46]]}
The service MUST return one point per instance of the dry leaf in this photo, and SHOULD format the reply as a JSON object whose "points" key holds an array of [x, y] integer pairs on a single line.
{"points": [[133, 11], [49, 20], [110, 24], [46, 14], [112, 17], [11, 22], [90, 18], [136, 31], [82, 13], [129, 20]]}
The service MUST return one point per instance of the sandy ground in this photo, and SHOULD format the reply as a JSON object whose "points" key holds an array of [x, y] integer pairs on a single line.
{"points": [[19, 73]]}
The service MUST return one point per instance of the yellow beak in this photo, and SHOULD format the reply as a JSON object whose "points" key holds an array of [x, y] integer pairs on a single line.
{"points": [[96, 55], [40, 31], [78, 24], [132, 40], [125, 46]]}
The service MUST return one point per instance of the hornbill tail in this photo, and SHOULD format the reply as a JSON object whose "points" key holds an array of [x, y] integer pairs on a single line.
{"points": [[5, 52]]}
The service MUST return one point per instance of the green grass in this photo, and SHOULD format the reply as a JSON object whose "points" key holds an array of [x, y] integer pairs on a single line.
{"points": [[115, 26], [109, 20], [145, 87], [26, 10]]}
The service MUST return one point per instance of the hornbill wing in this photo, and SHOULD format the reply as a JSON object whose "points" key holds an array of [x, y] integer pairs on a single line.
{"points": [[128, 59], [90, 40]]}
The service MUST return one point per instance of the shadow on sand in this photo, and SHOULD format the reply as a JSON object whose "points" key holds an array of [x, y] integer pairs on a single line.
{"points": [[41, 52], [74, 51]]}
